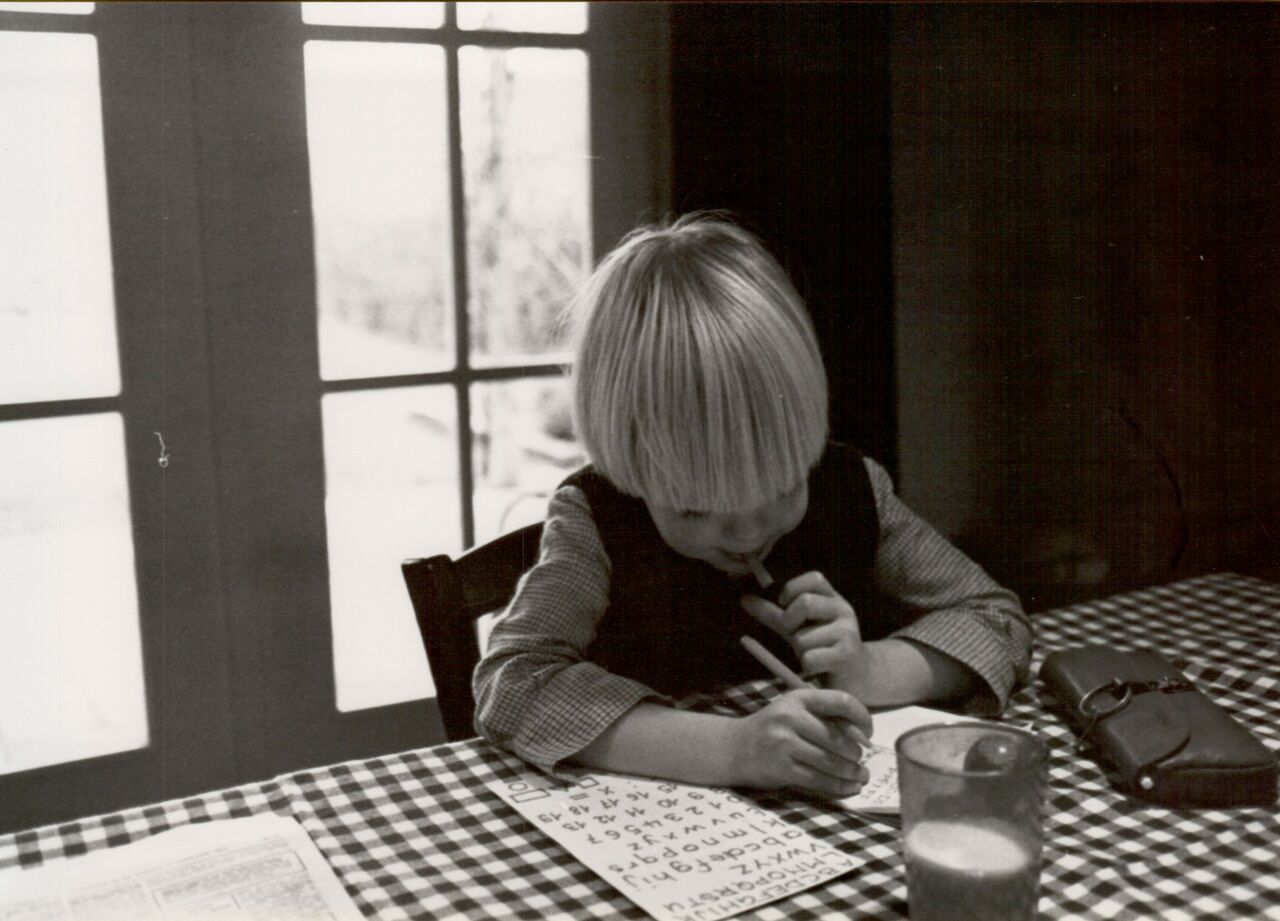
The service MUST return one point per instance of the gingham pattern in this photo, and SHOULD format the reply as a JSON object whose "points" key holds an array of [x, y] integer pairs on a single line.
{"points": [[71, 839], [417, 835]]}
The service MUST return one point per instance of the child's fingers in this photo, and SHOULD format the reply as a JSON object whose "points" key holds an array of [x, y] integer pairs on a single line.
{"points": [[784, 621], [837, 706], [808, 599], [822, 661], [770, 592], [815, 610], [768, 613], [813, 582], [836, 733], [841, 738], [835, 634], [817, 777], [822, 761]]}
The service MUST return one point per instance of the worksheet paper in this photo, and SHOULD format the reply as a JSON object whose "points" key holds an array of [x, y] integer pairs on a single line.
{"points": [[251, 869], [880, 793], [680, 852]]}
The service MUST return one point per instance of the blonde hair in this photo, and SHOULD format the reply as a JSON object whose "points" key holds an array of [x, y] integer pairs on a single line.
{"points": [[698, 383]]}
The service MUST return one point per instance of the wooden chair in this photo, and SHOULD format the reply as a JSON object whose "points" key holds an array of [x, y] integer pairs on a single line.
{"points": [[448, 597]]}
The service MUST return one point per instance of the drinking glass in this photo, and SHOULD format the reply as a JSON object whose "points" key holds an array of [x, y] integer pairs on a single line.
{"points": [[972, 799]]}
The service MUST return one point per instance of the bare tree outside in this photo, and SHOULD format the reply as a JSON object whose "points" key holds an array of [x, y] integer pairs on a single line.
{"points": [[378, 127]]}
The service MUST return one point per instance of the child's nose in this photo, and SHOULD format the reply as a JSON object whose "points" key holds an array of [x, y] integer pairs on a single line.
{"points": [[746, 530]]}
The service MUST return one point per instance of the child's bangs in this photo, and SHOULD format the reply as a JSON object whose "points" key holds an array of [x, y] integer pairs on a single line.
{"points": [[732, 470], [745, 420], [698, 384]]}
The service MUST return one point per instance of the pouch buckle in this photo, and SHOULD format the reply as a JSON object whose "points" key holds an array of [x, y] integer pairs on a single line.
{"points": [[1123, 692]]}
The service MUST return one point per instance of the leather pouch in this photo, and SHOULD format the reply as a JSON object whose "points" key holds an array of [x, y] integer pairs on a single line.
{"points": [[1166, 741]]}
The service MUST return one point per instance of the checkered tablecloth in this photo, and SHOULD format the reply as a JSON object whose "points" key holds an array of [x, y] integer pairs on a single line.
{"points": [[418, 835]]}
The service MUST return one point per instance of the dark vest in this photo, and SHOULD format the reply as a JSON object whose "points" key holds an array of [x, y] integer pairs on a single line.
{"points": [[673, 623]]}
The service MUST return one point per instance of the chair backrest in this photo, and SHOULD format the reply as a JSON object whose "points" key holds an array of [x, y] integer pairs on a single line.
{"points": [[448, 597]]}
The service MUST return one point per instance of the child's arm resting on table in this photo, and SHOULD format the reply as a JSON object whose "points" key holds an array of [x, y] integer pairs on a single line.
{"points": [[822, 628], [808, 739], [535, 694], [537, 697], [963, 637], [971, 639]]}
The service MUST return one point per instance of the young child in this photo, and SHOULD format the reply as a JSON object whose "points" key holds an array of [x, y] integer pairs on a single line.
{"points": [[701, 400]]}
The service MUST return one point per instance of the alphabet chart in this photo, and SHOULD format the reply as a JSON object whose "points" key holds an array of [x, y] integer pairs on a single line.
{"points": [[680, 852]]}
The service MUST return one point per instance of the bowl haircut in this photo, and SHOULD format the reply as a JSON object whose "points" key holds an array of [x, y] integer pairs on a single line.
{"points": [[698, 383]]}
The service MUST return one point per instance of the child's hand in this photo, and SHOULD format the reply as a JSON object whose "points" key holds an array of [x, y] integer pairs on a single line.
{"points": [[821, 627], [808, 739]]}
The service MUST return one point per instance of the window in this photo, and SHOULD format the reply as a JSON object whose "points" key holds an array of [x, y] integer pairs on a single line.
{"points": [[450, 188], [71, 686], [287, 316]]}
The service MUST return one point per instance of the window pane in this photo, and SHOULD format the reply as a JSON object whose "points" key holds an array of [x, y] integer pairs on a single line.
{"points": [[70, 7], [71, 682], [524, 17], [526, 160], [412, 15], [391, 468], [523, 447], [379, 179], [57, 312]]}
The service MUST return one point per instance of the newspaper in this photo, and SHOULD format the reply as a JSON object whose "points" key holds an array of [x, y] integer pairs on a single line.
{"points": [[261, 868]]}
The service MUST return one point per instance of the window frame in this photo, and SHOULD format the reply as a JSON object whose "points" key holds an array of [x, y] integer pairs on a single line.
{"points": [[465, 373], [211, 229], [190, 744]]}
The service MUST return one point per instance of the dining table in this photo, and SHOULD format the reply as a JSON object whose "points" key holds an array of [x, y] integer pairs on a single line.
{"points": [[419, 834]]}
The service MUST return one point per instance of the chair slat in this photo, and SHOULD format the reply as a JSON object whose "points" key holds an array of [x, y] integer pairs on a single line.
{"points": [[448, 597]]}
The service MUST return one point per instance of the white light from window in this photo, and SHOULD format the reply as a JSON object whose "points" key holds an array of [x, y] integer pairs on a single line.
{"points": [[391, 493], [57, 306], [376, 133], [404, 15], [71, 680], [76, 8], [523, 445], [527, 164], [563, 18]]}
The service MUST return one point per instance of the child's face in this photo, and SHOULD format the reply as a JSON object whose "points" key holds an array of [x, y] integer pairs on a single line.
{"points": [[725, 539]]}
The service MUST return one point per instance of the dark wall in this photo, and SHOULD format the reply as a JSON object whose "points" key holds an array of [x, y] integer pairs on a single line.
{"points": [[1039, 242], [780, 113], [1087, 265]]}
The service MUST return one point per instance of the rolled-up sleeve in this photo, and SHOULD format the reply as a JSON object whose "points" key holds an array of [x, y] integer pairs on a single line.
{"points": [[951, 603], [536, 695]]}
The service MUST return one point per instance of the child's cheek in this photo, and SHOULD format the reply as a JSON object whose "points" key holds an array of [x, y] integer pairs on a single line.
{"points": [[698, 537], [683, 537]]}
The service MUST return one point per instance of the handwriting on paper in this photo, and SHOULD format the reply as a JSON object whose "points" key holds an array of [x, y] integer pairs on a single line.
{"points": [[880, 792], [680, 852]]}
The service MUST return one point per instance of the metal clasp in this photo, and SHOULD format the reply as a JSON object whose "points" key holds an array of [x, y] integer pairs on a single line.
{"points": [[1123, 692], [1116, 688]]}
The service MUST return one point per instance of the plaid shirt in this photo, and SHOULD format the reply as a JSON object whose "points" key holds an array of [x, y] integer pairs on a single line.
{"points": [[538, 696]]}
